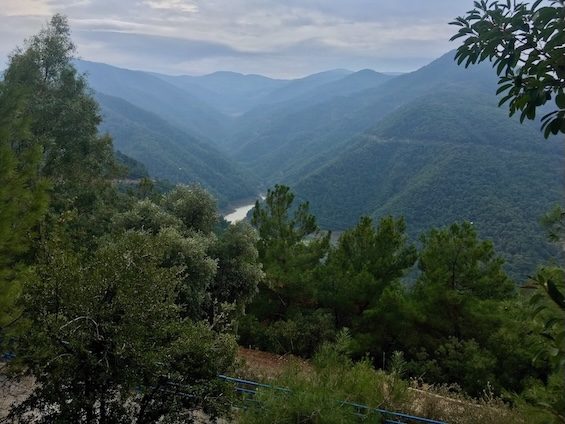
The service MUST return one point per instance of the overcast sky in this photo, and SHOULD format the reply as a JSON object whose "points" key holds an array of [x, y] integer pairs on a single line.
{"points": [[279, 38]]}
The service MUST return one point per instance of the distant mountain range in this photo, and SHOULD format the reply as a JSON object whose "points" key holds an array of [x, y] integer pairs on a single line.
{"points": [[430, 145]]}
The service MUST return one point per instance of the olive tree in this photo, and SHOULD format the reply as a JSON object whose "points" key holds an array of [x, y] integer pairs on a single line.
{"points": [[107, 342]]}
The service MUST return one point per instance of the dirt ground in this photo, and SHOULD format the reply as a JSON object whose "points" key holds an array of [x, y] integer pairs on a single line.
{"points": [[264, 365], [12, 391]]}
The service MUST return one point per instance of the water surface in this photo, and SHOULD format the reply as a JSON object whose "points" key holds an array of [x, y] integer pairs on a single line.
{"points": [[239, 213]]}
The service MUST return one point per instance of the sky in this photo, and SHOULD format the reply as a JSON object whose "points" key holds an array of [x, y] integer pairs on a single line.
{"points": [[277, 38]]}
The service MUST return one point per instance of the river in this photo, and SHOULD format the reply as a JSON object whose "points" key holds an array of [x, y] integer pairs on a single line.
{"points": [[240, 212]]}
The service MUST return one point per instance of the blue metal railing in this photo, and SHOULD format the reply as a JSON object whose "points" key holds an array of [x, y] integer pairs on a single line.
{"points": [[248, 389]]}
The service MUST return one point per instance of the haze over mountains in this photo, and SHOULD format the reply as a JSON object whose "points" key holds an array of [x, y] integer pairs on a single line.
{"points": [[431, 145]]}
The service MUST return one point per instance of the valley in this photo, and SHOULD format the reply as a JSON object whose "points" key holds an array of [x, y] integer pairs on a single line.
{"points": [[314, 239], [430, 145]]}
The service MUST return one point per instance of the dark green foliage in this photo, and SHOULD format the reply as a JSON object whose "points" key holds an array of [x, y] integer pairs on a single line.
{"points": [[221, 271], [360, 283], [456, 324], [194, 206], [548, 303], [365, 262], [106, 332], [238, 273], [457, 169], [63, 121], [526, 44], [463, 362], [283, 249], [455, 260], [23, 199], [301, 332], [554, 224], [63, 115], [290, 249], [455, 298], [148, 217], [467, 317]]}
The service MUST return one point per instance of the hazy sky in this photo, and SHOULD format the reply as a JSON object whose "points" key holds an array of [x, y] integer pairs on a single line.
{"points": [[281, 38]]}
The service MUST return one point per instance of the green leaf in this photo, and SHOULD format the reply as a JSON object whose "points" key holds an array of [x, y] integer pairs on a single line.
{"points": [[503, 88], [505, 99], [535, 5], [544, 15], [537, 310], [555, 294], [501, 66], [547, 130], [560, 100], [555, 126]]}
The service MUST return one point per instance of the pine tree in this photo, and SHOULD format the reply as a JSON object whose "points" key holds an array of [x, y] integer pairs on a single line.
{"points": [[63, 118], [23, 199]]}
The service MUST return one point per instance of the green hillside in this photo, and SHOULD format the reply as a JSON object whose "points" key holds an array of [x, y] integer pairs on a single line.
{"points": [[275, 140], [451, 157], [150, 93], [171, 154]]}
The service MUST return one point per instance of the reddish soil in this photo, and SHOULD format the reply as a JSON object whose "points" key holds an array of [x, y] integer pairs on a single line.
{"points": [[265, 365]]}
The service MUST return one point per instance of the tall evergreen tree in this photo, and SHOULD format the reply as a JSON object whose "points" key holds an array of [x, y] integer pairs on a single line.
{"points": [[365, 262], [457, 269], [23, 198], [63, 120], [290, 246]]}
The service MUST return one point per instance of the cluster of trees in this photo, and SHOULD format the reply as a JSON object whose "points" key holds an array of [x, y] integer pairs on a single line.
{"points": [[462, 319], [119, 303], [456, 315]]}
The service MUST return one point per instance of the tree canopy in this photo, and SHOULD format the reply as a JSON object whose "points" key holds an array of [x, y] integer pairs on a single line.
{"points": [[526, 44], [127, 299]]}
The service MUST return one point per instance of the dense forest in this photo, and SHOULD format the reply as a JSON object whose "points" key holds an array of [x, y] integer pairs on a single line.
{"points": [[124, 298]]}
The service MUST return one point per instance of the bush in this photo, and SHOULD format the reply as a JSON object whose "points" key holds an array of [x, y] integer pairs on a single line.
{"points": [[301, 334]]}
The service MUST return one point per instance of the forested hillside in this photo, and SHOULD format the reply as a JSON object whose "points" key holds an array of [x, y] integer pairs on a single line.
{"points": [[453, 156], [170, 153], [275, 141], [155, 95]]}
